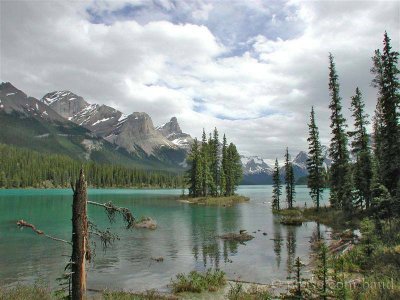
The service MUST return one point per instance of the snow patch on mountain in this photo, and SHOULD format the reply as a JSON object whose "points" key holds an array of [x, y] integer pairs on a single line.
{"points": [[255, 165]]}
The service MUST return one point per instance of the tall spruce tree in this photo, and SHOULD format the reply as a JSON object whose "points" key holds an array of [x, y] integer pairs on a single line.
{"points": [[277, 187], [341, 187], [390, 132], [195, 171], [235, 172], [289, 180], [362, 169], [215, 162], [315, 162], [205, 165], [377, 82], [224, 167]]}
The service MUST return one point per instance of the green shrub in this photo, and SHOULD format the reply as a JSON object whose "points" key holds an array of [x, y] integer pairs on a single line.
{"points": [[196, 282]]}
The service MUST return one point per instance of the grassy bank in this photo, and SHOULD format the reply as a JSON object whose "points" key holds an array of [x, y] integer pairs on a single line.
{"points": [[217, 201], [366, 267], [328, 216]]}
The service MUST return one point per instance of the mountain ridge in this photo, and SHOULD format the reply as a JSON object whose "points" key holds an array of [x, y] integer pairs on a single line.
{"points": [[29, 123], [134, 132], [257, 171]]}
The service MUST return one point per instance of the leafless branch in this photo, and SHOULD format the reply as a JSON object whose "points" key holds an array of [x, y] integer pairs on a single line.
{"points": [[111, 210], [22, 223]]}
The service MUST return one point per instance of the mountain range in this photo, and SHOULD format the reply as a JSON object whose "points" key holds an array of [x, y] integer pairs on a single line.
{"points": [[259, 171], [65, 123]]}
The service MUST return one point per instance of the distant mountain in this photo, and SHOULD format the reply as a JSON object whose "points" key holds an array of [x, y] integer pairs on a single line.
{"points": [[65, 103], [13, 100], [30, 123], [135, 132], [172, 131], [300, 161], [258, 171]]}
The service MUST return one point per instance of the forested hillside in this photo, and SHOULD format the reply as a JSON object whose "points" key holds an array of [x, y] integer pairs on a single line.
{"points": [[23, 168]]}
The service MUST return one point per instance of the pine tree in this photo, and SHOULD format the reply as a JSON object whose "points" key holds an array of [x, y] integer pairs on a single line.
{"points": [[199, 169], [341, 188], [377, 82], [362, 173], [315, 162], [322, 272], [298, 291], [222, 187], [195, 170], [214, 157], [277, 187], [235, 172], [205, 163], [390, 131], [289, 180], [224, 167]]}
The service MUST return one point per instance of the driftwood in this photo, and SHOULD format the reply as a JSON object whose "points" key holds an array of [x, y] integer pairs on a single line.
{"points": [[22, 223]]}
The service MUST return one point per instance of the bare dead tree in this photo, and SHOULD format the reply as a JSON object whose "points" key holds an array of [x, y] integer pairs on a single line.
{"points": [[80, 238], [82, 228]]}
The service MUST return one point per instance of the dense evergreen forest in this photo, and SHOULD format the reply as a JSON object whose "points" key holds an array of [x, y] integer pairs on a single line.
{"points": [[215, 170], [23, 168]]}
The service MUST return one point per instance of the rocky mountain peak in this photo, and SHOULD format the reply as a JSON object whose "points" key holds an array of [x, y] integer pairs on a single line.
{"points": [[140, 123], [7, 87], [138, 130], [301, 158], [173, 132], [171, 127], [14, 100], [65, 103]]}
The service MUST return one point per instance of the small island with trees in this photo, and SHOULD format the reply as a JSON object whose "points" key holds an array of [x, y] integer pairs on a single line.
{"points": [[214, 172]]}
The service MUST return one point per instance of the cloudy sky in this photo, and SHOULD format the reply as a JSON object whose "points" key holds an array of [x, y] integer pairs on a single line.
{"points": [[251, 68]]}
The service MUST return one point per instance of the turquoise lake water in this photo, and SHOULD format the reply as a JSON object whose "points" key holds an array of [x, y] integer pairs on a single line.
{"points": [[186, 237]]}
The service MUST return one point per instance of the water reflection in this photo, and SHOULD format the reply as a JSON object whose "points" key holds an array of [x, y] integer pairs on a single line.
{"points": [[290, 248], [187, 238], [206, 243], [278, 241]]}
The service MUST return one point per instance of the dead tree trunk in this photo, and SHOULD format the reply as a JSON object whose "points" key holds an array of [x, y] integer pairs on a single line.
{"points": [[80, 251]]}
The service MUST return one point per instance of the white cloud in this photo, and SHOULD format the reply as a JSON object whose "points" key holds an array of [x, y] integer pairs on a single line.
{"points": [[177, 68]]}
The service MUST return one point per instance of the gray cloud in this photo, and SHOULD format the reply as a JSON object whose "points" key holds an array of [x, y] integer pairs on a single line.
{"points": [[256, 81]]}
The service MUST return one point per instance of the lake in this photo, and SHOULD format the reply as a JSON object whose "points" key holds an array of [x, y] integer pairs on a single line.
{"points": [[186, 238]]}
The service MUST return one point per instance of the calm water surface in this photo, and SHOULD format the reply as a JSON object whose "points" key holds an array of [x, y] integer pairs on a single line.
{"points": [[186, 237]]}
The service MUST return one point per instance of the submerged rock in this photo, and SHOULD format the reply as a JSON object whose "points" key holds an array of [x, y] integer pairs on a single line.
{"points": [[146, 222], [238, 237]]}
